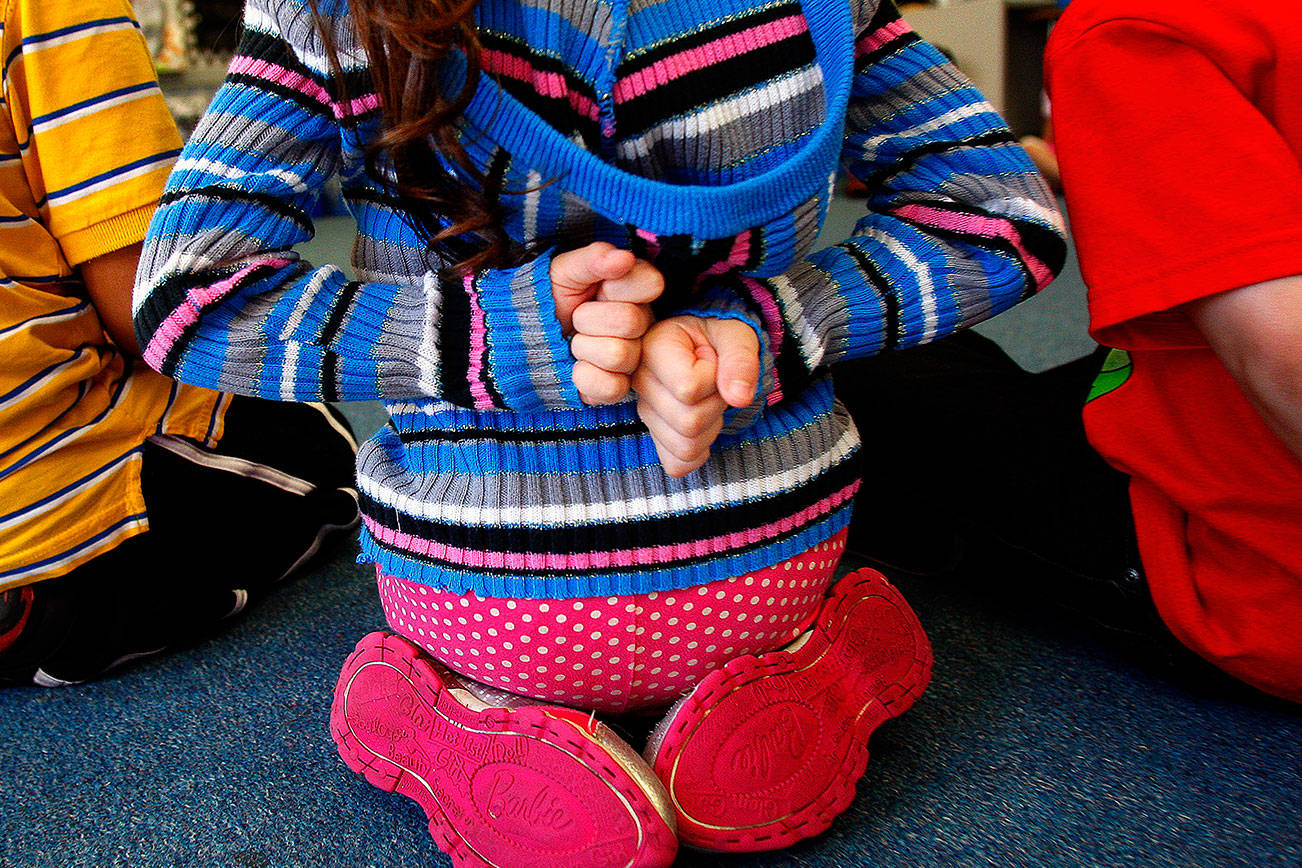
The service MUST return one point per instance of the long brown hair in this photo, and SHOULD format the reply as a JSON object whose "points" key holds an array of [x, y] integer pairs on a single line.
{"points": [[406, 43]]}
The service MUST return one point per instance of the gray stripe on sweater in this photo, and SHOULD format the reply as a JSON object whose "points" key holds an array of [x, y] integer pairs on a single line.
{"points": [[775, 116], [577, 498]]}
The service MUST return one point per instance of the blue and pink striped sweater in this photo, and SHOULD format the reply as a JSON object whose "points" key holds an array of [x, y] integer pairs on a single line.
{"points": [[706, 137]]}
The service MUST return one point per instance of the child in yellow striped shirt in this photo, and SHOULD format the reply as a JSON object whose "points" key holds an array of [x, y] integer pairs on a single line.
{"points": [[112, 477]]}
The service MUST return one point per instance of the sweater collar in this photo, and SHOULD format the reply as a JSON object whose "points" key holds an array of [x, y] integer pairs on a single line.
{"points": [[672, 209]]}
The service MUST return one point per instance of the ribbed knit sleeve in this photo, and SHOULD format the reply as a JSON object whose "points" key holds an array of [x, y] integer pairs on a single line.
{"points": [[222, 300], [959, 227]]}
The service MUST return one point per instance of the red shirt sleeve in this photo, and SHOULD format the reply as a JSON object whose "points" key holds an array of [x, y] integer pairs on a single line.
{"points": [[1178, 186]]}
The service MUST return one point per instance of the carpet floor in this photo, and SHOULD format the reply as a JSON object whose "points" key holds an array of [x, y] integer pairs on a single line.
{"points": [[1035, 745]]}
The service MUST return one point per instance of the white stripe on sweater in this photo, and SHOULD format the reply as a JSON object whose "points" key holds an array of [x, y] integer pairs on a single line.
{"points": [[227, 172], [811, 343], [558, 515], [867, 150], [720, 114], [429, 361], [920, 270]]}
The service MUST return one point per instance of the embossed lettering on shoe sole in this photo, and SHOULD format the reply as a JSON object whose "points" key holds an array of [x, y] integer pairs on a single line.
{"points": [[769, 748], [491, 771]]}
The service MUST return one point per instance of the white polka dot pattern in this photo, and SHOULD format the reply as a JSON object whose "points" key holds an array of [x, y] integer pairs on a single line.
{"points": [[613, 653]]}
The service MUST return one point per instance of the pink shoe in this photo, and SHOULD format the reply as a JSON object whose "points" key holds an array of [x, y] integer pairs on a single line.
{"points": [[535, 785], [766, 751]]}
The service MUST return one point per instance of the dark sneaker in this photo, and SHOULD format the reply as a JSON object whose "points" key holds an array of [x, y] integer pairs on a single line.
{"points": [[78, 627]]}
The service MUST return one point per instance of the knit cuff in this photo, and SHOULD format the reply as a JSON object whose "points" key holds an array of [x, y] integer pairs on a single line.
{"points": [[528, 356], [489, 343]]}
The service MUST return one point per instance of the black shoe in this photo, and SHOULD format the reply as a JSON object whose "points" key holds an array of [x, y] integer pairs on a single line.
{"points": [[1119, 612], [911, 548], [81, 626]]}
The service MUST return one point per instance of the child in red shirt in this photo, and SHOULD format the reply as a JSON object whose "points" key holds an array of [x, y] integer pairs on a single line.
{"points": [[1179, 129]]}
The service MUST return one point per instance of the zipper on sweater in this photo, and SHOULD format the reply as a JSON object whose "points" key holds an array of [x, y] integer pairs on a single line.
{"points": [[606, 83]]}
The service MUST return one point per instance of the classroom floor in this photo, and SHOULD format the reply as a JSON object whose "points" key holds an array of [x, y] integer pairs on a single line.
{"points": [[1037, 744]]}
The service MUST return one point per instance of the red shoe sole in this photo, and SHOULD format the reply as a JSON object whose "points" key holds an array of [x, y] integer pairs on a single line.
{"points": [[501, 787], [766, 751]]}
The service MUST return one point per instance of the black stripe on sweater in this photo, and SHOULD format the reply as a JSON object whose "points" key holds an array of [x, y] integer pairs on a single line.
{"points": [[312, 106], [1041, 241], [507, 44], [716, 82], [329, 376], [454, 344], [494, 177], [329, 332], [998, 244], [655, 54], [172, 293], [887, 12], [533, 436], [864, 62], [607, 538], [606, 535], [904, 162], [273, 204], [892, 326], [356, 83], [338, 313], [556, 112], [542, 572]]}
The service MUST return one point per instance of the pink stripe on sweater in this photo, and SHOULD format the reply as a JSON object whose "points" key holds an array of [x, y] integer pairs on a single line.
{"points": [[478, 342], [978, 224], [359, 106], [736, 258], [652, 242], [296, 81], [186, 314], [703, 56], [636, 557], [773, 318], [881, 36], [772, 313], [550, 84], [277, 74]]}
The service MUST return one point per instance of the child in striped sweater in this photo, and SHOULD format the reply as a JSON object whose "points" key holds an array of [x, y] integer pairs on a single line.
{"points": [[557, 201]]}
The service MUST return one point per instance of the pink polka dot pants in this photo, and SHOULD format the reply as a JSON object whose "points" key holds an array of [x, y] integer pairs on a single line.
{"points": [[617, 653]]}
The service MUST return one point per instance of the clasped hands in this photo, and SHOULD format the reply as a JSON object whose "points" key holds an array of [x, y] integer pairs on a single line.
{"points": [[686, 370]]}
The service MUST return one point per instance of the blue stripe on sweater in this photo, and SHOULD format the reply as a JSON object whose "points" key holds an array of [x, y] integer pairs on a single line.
{"points": [[622, 582]]}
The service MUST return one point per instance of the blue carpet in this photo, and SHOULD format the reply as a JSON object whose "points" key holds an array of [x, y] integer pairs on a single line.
{"points": [[1032, 747]]}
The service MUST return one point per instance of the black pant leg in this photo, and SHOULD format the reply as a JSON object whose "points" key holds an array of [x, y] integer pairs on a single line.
{"points": [[961, 441], [224, 525]]}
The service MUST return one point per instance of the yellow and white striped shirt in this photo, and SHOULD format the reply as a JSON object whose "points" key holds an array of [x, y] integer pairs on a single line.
{"points": [[86, 142]]}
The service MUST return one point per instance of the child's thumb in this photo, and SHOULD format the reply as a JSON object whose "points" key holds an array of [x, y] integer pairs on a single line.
{"points": [[737, 348]]}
